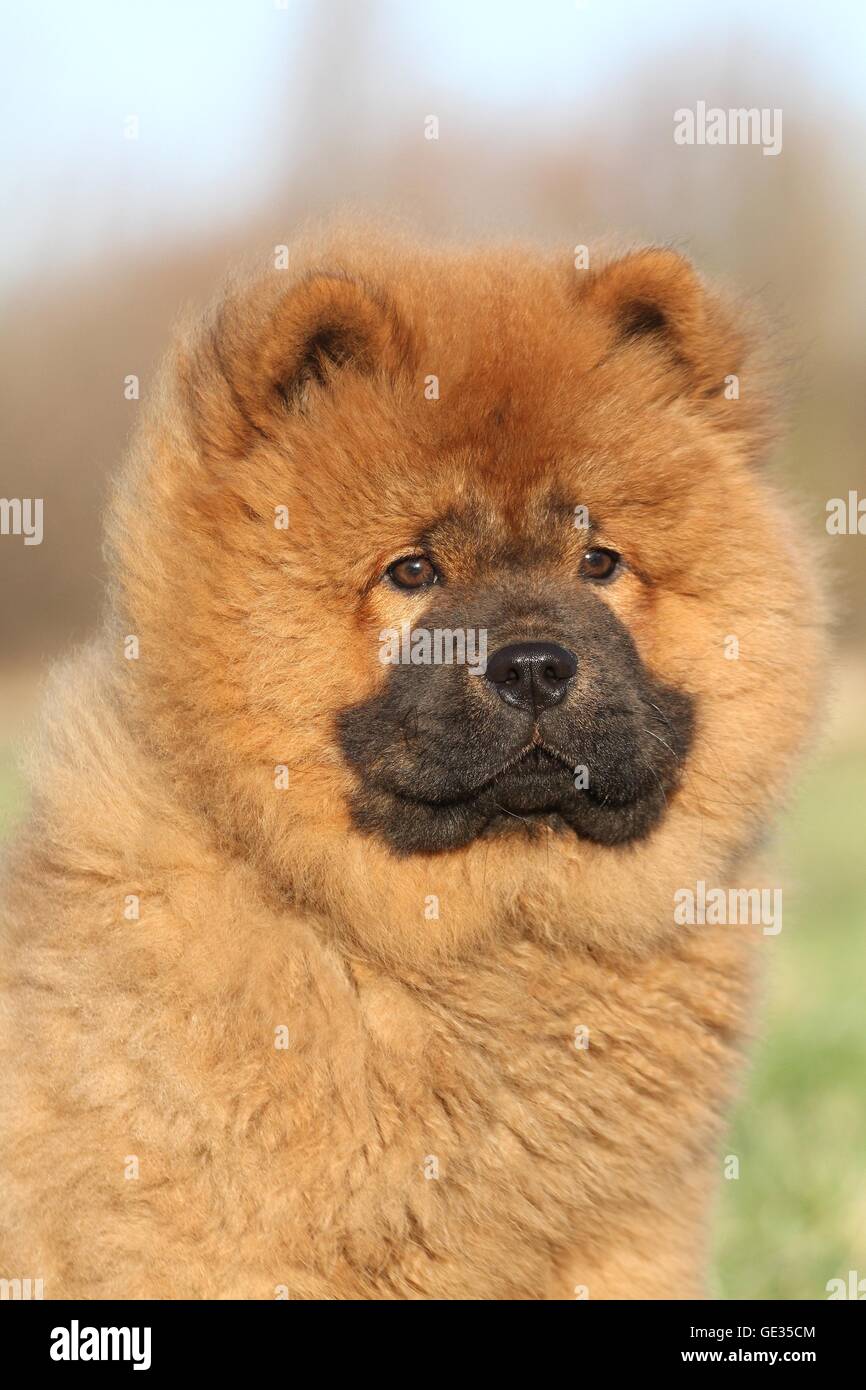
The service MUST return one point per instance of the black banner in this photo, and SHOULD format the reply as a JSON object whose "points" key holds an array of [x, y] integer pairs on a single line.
{"points": [[154, 1338]]}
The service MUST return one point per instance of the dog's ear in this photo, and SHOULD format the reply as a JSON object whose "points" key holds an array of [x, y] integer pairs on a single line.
{"points": [[656, 313], [655, 298], [326, 324], [268, 352]]}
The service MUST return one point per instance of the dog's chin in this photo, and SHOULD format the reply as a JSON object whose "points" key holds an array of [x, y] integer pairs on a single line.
{"points": [[525, 800]]}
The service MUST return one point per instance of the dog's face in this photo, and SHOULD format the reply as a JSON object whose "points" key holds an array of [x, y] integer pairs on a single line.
{"points": [[534, 708], [454, 564]]}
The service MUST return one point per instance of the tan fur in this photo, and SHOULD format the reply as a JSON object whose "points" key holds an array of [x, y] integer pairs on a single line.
{"points": [[303, 1169]]}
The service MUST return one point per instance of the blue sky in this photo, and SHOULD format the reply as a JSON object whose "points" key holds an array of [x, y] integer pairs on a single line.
{"points": [[205, 80]]}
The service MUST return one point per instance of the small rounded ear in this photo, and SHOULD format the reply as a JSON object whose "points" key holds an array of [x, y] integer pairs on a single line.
{"points": [[270, 347], [656, 297], [328, 323]]}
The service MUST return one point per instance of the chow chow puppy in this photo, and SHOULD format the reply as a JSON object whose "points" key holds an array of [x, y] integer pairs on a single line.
{"points": [[339, 964]]}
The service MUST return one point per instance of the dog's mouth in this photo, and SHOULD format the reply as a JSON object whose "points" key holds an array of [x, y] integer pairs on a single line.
{"points": [[539, 785], [533, 768]]}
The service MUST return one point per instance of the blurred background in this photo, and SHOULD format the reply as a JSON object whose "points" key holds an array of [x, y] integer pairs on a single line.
{"points": [[148, 145]]}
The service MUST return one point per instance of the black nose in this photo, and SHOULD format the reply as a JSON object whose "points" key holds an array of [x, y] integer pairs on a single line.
{"points": [[531, 675]]}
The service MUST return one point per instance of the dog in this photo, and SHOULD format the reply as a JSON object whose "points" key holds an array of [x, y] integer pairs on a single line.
{"points": [[455, 626]]}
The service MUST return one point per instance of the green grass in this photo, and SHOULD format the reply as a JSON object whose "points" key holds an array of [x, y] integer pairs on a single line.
{"points": [[796, 1216]]}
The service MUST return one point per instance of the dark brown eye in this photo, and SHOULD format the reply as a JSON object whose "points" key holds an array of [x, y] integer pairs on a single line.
{"points": [[599, 564], [415, 572]]}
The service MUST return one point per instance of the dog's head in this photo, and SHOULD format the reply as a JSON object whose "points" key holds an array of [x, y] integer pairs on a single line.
{"points": [[456, 574]]}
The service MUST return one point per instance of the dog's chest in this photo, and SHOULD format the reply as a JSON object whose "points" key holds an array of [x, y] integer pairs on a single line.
{"points": [[417, 1128], [543, 1088]]}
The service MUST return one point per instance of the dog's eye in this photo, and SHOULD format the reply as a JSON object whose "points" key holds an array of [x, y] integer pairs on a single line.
{"points": [[599, 564], [414, 572]]}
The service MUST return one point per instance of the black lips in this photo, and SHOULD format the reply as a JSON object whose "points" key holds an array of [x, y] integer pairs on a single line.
{"points": [[442, 759]]}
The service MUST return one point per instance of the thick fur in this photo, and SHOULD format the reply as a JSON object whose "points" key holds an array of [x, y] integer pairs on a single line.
{"points": [[431, 1130]]}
